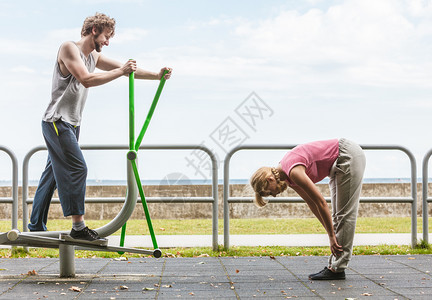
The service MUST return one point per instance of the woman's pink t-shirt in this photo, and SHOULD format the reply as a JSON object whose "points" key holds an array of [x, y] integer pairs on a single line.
{"points": [[317, 157]]}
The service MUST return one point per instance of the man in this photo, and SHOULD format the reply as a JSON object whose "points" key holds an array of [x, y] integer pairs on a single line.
{"points": [[66, 168]]}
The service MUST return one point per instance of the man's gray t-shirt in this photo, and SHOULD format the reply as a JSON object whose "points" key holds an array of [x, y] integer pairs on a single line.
{"points": [[68, 95]]}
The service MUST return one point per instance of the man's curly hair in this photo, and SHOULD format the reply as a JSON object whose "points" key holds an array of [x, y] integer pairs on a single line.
{"points": [[100, 22]]}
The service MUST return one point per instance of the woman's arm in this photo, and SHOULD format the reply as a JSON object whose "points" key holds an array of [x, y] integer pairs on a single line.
{"points": [[313, 207], [315, 200]]}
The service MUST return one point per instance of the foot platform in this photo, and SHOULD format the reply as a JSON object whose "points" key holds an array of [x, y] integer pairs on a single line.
{"points": [[16, 238], [99, 242]]}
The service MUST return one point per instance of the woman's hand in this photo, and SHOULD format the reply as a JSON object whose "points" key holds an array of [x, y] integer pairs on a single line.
{"points": [[335, 248]]}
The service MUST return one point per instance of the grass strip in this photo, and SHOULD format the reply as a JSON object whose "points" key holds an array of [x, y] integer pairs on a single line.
{"points": [[240, 226], [237, 226], [241, 251]]}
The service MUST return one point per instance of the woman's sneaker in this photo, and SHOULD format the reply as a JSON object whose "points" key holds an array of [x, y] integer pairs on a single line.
{"points": [[327, 274], [87, 236]]}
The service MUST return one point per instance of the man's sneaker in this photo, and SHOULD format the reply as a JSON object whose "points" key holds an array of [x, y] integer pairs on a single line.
{"points": [[326, 274], [87, 236]]}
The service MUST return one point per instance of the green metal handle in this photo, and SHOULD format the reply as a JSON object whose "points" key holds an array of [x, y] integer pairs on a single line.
{"points": [[131, 136], [131, 111], [151, 111]]}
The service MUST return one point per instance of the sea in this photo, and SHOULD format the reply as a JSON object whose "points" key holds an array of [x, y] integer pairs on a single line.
{"points": [[165, 181]]}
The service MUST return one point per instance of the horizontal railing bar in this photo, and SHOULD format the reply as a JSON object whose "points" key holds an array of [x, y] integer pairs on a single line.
{"points": [[411, 200], [119, 219], [148, 199], [300, 200], [180, 199]]}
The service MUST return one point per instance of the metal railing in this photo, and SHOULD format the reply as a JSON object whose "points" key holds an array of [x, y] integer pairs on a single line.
{"points": [[213, 199], [413, 199], [425, 199], [227, 200], [14, 198]]}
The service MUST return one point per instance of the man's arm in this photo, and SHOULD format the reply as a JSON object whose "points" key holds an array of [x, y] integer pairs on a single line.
{"points": [[70, 60], [108, 64]]}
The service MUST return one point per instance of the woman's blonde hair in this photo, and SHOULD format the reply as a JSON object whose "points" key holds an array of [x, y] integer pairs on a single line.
{"points": [[259, 183], [100, 21]]}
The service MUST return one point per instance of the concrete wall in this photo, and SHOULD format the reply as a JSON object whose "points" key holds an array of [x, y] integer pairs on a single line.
{"points": [[191, 211]]}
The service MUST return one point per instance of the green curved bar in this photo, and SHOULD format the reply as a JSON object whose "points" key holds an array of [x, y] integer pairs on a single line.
{"points": [[144, 204]]}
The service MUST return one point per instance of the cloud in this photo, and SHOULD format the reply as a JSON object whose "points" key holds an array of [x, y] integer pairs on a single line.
{"points": [[368, 41], [420, 8], [40, 45], [341, 33], [15, 47], [220, 21], [64, 34], [385, 43], [23, 69], [99, 2], [129, 35], [352, 44]]}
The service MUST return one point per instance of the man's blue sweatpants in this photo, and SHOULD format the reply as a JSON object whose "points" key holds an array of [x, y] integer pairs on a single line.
{"points": [[65, 170]]}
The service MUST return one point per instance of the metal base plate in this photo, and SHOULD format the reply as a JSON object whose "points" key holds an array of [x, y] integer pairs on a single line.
{"points": [[32, 240]]}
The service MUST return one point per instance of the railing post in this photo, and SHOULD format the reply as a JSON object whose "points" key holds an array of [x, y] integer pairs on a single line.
{"points": [[130, 203], [215, 204], [226, 189], [413, 165], [14, 185], [425, 199], [412, 200], [25, 184]]}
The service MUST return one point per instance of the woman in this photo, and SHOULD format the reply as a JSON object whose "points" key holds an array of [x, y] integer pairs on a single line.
{"points": [[344, 162]]}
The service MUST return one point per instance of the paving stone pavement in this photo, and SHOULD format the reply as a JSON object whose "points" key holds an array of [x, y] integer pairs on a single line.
{"points": [[281, 277]]}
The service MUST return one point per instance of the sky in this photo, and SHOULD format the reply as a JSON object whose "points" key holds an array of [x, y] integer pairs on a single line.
{"points": [[244, 72]]}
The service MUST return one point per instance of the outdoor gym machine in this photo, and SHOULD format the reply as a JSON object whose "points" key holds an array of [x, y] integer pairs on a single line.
{"points": [[54, 239], [133, 151]]}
